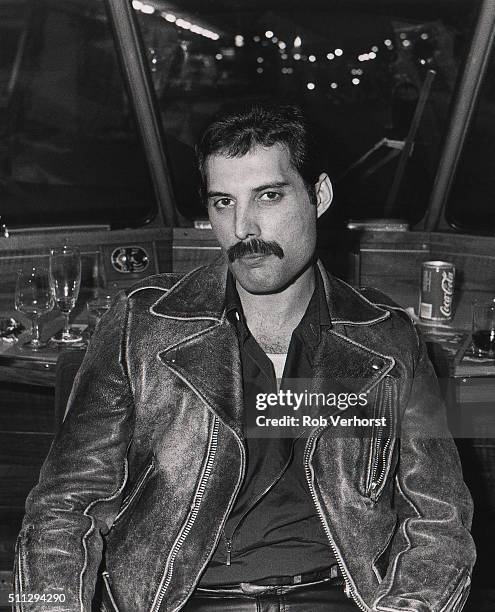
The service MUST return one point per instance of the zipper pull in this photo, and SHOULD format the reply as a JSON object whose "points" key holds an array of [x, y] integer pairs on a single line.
{"points": [[229, 551], [372, 490]]}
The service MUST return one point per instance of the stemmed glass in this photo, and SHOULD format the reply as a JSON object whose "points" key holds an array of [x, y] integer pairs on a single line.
{"points": [[33, 297], [65, 280]]}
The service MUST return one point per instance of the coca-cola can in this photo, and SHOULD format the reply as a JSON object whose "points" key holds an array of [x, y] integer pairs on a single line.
{"points": [[437, 291]]}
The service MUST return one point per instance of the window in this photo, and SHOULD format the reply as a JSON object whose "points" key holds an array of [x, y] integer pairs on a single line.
{"points": [[358, 68], [471, 204], [69, 150]]}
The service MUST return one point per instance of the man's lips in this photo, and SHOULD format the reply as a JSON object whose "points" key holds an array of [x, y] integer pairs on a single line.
{"points": [[254, 256], [252, 259]]}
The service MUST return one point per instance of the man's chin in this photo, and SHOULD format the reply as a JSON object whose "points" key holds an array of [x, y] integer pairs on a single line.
{"points": [[256, 288], [256, 277]]}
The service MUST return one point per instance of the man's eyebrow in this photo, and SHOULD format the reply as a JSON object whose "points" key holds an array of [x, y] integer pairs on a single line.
{"points": [[275, 185], [216, 194], [258, 188]]}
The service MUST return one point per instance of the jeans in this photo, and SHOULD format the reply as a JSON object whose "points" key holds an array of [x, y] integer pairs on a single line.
{"points": [[315, 597]]}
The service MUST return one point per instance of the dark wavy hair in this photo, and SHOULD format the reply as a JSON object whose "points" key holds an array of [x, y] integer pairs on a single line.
{"points": [[236, 131]]}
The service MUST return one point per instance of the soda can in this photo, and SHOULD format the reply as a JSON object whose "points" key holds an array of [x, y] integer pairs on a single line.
{"points": [[437, 291]]}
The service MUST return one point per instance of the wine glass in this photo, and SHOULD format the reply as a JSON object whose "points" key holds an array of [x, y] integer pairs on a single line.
{"points": [[65, 280], [483, 336], [33, 297]]}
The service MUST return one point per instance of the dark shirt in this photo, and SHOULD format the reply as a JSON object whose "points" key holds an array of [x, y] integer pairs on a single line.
{"points": [[274, 529]]}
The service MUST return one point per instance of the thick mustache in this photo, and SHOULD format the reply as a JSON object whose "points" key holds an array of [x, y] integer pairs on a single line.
{"points": [[254, 247]]}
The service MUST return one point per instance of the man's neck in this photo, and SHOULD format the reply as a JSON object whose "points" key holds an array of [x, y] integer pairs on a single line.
{"points": [[278, 313]]}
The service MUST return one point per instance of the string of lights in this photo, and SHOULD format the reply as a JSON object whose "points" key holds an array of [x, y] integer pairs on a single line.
{"points": [[296, 51], [184, 24]]}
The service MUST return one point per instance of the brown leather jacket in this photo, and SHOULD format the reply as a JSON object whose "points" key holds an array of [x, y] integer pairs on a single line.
{"points": [[140, 480]]}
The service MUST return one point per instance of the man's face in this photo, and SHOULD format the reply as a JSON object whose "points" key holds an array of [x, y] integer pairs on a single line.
{"points": [[259, 202]]}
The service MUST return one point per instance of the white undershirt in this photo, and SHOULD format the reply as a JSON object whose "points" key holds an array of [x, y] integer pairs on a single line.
{"points": [[278, 360]]}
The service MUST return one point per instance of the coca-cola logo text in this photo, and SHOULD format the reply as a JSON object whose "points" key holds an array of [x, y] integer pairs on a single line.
{"points": [[448, 293]]}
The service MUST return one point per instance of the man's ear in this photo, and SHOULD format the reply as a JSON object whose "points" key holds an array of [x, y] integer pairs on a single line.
{"points": [[324, 193]]}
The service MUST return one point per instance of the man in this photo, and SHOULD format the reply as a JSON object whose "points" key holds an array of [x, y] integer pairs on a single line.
{"points": [[164, 479]]}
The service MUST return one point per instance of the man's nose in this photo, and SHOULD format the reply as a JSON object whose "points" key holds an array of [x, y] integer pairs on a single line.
{"points": [[246, 223]]}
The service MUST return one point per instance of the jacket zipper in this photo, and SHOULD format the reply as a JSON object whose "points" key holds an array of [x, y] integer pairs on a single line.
{"points": [[255, 502], [106, 579], [19, 571], [227, 512], [308, 451], [459, 595], [186, 528], [376, 479], [137, 488]]}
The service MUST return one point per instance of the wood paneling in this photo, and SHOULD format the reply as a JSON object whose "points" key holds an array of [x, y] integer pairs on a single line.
{"points": [[10, 525], [391, 262], [27, 373], [193, 248], [27, 409], [16, 482], [26, 432], [28, 449], [473, 256], [19, 248]]}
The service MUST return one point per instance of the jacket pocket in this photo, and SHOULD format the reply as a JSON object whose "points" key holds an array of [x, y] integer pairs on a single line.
{"points": [[382, 440], [382, 559], [136, 490]]}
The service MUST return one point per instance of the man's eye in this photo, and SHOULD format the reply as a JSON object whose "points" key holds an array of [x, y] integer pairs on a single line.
{"points": [[222, 202], [270, 196]]}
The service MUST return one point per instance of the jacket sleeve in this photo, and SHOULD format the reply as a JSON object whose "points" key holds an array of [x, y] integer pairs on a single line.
{"points": [[80, 488], [432, 553]]}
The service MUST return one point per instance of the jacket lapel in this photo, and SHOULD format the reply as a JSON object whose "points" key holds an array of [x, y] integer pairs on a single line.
{"points": [[342, 364], [346, 366], [205, 355]]}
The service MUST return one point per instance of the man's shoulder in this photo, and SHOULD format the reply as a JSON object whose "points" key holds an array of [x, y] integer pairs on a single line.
{"points": [[378, 298], [162, 283], [397, 331], [385, 302], [371, 316], [195, 293], [146, 292], [361, 306]]}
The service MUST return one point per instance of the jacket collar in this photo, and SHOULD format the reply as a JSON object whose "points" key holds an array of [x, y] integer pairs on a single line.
{"points": [[198, 295], [201, 295]]}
